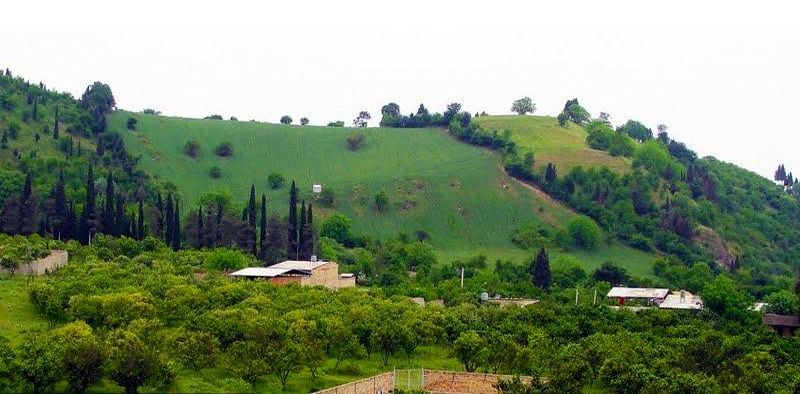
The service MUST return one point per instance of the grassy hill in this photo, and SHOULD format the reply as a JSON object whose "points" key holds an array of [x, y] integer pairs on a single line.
{"points": [[455, 192], [550, 143]]}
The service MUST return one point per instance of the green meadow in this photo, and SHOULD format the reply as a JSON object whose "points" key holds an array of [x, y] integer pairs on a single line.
{"points": [[455, 192]]}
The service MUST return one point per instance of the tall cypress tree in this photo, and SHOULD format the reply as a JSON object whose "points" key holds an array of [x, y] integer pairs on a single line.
{"points": [[262, 239], [308, 235], [108, 213], [121, 225], [27, 208], [218, 223], [301, 236], [140, 226], [88, 216], [276, 241], [69, 231], [176, 236], [159, 230], [540, 270], [251, 208], [57, 211], [55, 125], [200, 229], [169, 224], [291, 227]]}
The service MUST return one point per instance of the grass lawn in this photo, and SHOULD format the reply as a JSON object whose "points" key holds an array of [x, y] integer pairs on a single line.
{"points": [[17, 314], [550, 143]]}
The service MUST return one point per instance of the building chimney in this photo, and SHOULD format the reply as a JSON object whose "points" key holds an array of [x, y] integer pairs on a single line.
{"points": [[313, 259]]}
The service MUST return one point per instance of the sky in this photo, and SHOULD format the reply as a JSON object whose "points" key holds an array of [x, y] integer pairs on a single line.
{"points": [[724, 76]]}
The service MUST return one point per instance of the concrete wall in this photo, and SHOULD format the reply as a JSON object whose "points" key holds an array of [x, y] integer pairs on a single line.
{"points": [[56, 260], [328, 275], [379, 384]]}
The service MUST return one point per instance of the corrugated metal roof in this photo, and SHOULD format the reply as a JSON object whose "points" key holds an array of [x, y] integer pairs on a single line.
{"points": [[299, 265], [688, 300], [637, 292], [260, 272]]}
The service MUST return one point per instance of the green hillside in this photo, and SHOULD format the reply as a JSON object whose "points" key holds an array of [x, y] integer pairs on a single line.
{"points": [[550, 143], [455, 192]]}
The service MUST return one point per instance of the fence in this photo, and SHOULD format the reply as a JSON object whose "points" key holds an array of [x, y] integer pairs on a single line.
{"points": [[431, 381]]}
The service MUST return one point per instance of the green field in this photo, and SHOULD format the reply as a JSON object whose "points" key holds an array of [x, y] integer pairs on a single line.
{"points": [[455, 192], [550, 143], [17, 314]]}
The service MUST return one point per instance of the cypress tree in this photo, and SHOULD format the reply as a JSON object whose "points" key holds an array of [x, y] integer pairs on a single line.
{"points": [[218, 222], [58, 207], [121, 225], [550, 174], [140, 226], [35, 110], [308, 235], [540, 270], [301, 236], [176, 236], [251, 208], [55, 125], [27, 208], [88, 216], [276, 241], [159, 230], [108, 213], [200, 227], [291, 227], [70, 222], [262, 239], [169, 227]]}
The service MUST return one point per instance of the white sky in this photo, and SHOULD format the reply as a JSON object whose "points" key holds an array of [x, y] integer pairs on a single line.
{"points": [[725, 76]]}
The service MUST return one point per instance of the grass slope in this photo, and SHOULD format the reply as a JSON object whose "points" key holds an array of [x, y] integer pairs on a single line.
{"points": [[17, 314], [550, 143], [455, 192]]}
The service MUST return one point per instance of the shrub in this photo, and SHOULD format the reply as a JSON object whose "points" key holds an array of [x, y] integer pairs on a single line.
{"points": [[224, 149], [337, 227], [227, 260], [584, 233], [381, 201], [530, 237], [191, 148], [338, 123], [611, 273], [326, 198], [131, 123], [782, 303], [275, 180], [13, 130], [355, 140], [215, 172]]}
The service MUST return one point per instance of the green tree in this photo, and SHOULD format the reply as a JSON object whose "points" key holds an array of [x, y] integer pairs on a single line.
{"points": [[197, 349], [39, 363], [469, 349], [540, 270], [523, 106], [584, 233], [304, 121], [337, 227], [286, 119], [722, 296], [97, 101], [275, 180], [276, 240], [292, 227], [362, 119], [381, 201], [782, 303], [262, 239], [83, 355], [131, 362], [131, 123]]}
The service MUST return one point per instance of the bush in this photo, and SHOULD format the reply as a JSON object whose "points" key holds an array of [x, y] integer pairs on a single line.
{"points": [[215, 172], [381, 201], [191, 148], [337, 227], [338, 123], [355, 140], [131, 123], [327, 197], [530, 237], [13, 130], [275, 180], [224, 149], [584, 233], [227, 260], [782, 303]]}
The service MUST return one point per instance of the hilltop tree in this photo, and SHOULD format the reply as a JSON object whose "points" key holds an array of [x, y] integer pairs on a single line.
{"points": [[362, 119], [636, 130], [97, 101], [780, 174], [576, 112], [291, 227], [523, 106], [391, 109], [422, 111], [452, 110], [304, 121], [539, 269], [286, 119], [563, 118]]}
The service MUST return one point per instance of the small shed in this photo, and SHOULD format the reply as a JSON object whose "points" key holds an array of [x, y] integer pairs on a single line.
{"points": [[650, 295], [316, 188], [785, 325]]}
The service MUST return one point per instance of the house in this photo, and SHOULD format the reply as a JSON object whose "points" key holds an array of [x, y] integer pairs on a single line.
{"points": [[681, 299], [650, 296], [306, 273], [785, 325]]}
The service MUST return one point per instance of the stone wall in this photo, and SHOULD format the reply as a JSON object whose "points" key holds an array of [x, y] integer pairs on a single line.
{"points": [[56, 260], [379, 384]]}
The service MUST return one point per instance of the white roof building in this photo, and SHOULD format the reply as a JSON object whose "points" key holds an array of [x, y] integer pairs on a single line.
{"points": [[682, 300], [637, 292]]}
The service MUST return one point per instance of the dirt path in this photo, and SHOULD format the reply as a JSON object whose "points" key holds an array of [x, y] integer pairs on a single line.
{"points": [[538, 192]]}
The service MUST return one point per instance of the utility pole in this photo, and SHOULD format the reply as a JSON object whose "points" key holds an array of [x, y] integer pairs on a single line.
{"points": [[462, 277], [576, 294], [595, 297]]}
